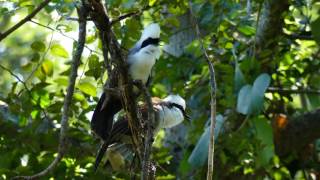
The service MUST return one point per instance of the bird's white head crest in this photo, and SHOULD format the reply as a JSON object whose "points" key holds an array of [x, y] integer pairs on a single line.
{"points": [[176, 99], [152, 30]]}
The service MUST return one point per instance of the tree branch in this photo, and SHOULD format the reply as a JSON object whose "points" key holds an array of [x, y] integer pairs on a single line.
{"points": [[292, 91], [131, 14], [118, 77], [213, 97], [67, 101], [147, 169], [298, 133], [270, 24], [23, 21]]}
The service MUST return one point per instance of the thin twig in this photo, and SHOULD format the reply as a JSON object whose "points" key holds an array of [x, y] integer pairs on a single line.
{"points": [[23, 21], [27, 89], [122, 17], [60, 32], [16, 76], [66, 106], [292, 91], [212, 94], [42, 58]]}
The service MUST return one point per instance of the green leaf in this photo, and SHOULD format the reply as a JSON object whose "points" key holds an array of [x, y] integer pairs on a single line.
{"points": [[35, 57], [250, 98], [206, 13], [128, 4], [94, 62], [315, 26], [40, 75], [238, 78], [90, 39], [247, 30], [87, 88], [264, 133], [58, 50], [62, 81], [152, 2], [260, 86], [199, 154], [244, 99], [38, 46], [64, 28], [47, 67]]}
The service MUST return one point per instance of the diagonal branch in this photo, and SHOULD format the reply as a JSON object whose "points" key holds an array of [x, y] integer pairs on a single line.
{"points": [[118, 76], [67, 101], [23, 21], [147, 169], [212, 94]]}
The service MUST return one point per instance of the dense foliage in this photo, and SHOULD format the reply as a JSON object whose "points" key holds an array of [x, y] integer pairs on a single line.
{"points": [[258, 83]]}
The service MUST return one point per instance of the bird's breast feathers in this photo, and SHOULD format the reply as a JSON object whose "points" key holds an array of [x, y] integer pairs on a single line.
{"points": [[142, 62], [170, 117]]}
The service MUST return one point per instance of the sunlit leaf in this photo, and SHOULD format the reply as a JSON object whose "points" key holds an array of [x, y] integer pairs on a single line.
{"points": [[247, 30], [47, 67], [87, 88], [93, 61], [58, 50], [62, 81]]}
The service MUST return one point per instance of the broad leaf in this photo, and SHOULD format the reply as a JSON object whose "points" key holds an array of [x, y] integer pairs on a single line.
{"points": [[265, 135], [58, 50], [315, 26], [244, 99], [38, 46], [199, 154], [87, 88], [250, 98]]}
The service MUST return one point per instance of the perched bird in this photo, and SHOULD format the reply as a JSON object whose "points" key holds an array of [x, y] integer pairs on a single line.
{"points": [[141, 59], [169, 112]]}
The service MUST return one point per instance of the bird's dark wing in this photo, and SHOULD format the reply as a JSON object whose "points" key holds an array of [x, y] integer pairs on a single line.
{"points": [[102, 119], [119, 130]]}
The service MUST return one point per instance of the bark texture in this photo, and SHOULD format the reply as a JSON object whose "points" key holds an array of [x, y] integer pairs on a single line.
{"points": [[298, 133]]}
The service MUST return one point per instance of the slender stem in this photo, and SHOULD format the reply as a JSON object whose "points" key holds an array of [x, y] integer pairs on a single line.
{"points": [[213, 98], [67, 101], [292, 91]]}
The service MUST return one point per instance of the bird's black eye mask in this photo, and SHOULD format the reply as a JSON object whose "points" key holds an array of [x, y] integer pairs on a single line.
{"points": [[186, 116], [149, 41]]}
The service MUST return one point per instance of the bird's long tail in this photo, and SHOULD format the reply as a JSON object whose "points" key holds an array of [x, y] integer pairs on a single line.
{"points": [[101, 152]]}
